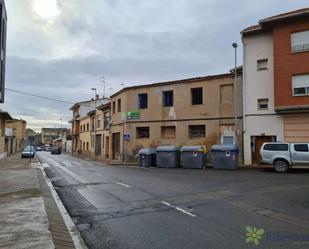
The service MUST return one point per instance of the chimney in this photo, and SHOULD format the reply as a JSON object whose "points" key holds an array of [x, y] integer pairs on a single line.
{"points": [[97, 96]]}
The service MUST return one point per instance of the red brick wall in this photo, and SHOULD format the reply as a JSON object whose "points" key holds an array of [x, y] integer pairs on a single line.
{"points": [[287, 63]]}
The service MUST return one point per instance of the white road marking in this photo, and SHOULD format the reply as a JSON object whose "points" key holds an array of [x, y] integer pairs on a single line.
{"points": [[122, 184], [178, 209], [45, 165], [98, 174]]}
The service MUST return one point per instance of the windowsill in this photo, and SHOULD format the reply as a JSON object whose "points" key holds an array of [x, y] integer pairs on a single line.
{"points": [[168, 106], [301, 51], [196, 137], [197, 105], [262, 69], [142, 138], [300, 95]]}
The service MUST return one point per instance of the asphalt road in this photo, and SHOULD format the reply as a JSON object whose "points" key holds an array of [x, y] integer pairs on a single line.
{"points": [[130, 207]]}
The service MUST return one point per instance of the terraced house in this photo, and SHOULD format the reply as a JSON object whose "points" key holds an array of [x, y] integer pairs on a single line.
{"points": [[276, 81], [182, 112]]}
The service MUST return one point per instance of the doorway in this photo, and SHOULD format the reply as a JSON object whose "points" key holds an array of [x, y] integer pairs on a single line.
{"points": [[107, 147], [116, 146], [98, 145], [256, 145]]}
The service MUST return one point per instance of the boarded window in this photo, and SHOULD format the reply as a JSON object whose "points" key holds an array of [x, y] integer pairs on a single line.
{"points": [[143, 101], [168, 132], [262, 64], [262, 104], [142, 132], [197, 96], [168, 98], [197, 131]]}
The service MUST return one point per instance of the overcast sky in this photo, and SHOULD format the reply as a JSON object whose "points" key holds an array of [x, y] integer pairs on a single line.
{"points": [[62, 48]]}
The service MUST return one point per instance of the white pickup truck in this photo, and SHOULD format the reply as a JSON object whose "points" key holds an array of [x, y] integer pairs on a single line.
{"points": [[285, 155]]}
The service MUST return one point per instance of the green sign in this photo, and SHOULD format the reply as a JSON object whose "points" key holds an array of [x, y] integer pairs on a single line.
{"points": [[132, 115]]}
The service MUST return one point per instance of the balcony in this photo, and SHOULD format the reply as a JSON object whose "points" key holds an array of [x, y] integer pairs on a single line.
{"points": [[300, 48]]}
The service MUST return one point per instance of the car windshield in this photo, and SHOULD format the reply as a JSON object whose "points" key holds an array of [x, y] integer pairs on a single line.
{"points": [[28, 149]]}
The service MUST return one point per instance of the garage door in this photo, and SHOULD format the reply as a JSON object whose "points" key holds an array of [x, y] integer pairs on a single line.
{"points": [[296, 128]]}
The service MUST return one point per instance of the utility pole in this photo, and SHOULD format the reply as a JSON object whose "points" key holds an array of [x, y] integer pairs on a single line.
{"points": [[235, 45], [104, 87], [95, 121]]}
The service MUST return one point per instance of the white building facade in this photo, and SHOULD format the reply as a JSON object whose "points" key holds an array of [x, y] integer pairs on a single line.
{"points": [[261, 123]]}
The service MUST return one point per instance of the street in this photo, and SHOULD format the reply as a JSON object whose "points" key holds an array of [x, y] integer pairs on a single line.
{"points": [[129, 207]]}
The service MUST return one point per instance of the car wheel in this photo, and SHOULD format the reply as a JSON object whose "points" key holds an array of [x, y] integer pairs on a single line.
{"points": [[281, 166]]}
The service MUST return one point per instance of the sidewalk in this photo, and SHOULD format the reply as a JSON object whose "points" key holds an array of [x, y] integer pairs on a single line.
{"points": [[29, 217], [23, 218]]}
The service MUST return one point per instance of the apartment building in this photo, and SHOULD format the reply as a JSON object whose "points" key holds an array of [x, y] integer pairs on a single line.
{"points": [[94, 132], [81, 124], [48, 135], [19, 130], [182, 112], [4, 116], [276, 81]]}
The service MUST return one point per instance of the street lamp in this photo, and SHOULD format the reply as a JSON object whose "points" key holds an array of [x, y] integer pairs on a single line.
{"points": [[95, 119], [235, 93]]}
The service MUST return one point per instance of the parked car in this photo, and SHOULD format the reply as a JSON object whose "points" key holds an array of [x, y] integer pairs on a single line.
{"points": [[47, 147], [56, 150], [285, 155], [38, 148], [28, 152]]}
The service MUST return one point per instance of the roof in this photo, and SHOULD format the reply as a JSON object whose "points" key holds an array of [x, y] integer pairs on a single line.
{"points": [[265, 24], [104, 106], [54, 129], [17, 120], [6, 115], [174, 82]]}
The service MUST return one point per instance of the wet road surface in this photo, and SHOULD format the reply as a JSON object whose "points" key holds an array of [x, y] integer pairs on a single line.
{"points": [[130, 207]]}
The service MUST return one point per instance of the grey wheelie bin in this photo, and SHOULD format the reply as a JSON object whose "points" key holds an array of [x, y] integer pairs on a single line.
{"points": [[147, 157], [225, 156], [168, 156], [193, 157]]}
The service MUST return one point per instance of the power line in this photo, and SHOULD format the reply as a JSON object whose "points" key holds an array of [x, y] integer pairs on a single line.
{"points": [[38, 96], [45, 97]]}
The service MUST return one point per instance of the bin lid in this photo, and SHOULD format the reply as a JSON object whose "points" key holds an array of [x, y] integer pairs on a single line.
{"points": [[225, 147], [147, 151], [201, 148], [168, 149]]}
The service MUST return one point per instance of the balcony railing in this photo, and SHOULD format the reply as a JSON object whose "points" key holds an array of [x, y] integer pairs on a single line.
{"points": [[300, 48]]}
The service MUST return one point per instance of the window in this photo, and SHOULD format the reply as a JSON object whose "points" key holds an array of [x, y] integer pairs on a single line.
{"points": [[168, 98], [301, 147], [143, 101], [84, 127], [197, 131], [106, 121], [119, 105], [88, 127], [197, 96], [300, 84], [81, 128], [114, 107], [87, 145], [262, 64], [262, 104], [228, 140], [98, 121], [300, 41], [168, 132], [276, 147], [142, 132]]}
